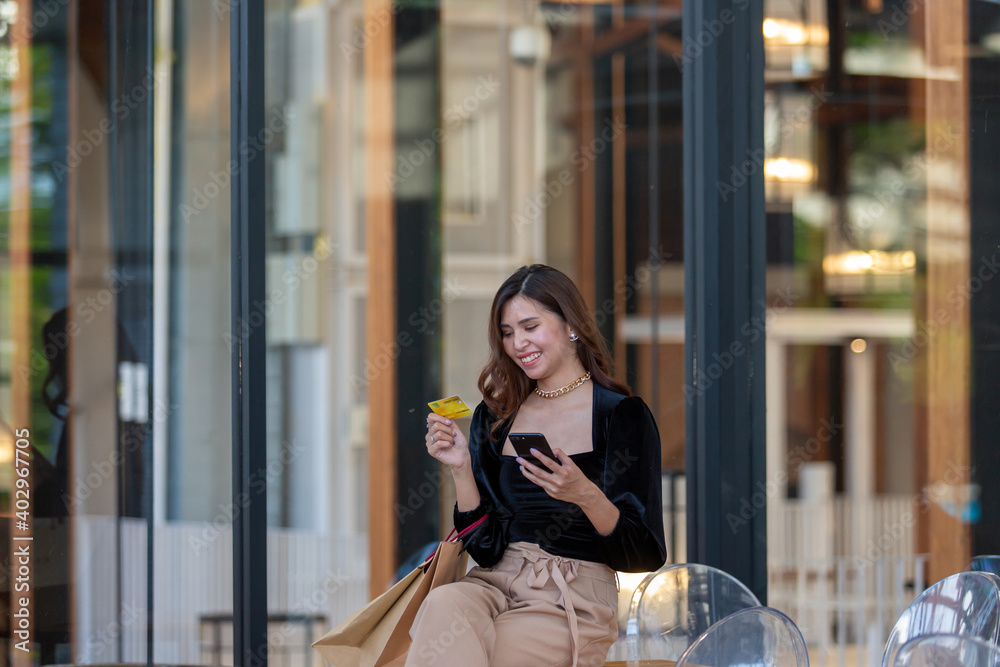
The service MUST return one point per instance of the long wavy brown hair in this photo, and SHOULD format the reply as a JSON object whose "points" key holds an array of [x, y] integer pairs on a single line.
{"points": [[502, 382]]}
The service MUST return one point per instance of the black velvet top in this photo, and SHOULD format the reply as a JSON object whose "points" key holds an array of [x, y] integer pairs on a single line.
{"points": [[625, 464]]}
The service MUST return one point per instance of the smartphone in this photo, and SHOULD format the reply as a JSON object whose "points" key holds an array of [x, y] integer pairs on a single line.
{"points": [[523, 442]]}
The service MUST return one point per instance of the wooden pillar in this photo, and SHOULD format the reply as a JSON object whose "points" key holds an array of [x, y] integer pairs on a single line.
{"points": [[943, 372], [381, 312], [586, 248], [618, 200], [20, 221]]}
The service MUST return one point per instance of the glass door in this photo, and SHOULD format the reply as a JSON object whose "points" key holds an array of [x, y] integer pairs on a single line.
{"points": [[114, 301]]}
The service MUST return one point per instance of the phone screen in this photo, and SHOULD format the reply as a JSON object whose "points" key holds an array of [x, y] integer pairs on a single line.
{"points": [[523, 442]]}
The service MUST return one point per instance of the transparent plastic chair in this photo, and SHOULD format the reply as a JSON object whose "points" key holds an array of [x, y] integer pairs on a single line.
{"points": [[989, 564], [967, 604], [675, 605], [757, 637], [947, 651]]}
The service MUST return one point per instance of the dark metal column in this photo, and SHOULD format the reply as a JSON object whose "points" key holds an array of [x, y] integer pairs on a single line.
{"points": [[247, 262], [724, 252], [984, 307], [127, 32], [420, 300]]}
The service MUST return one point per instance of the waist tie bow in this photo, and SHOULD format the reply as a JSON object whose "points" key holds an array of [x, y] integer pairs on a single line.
{"points": [[561, 572]]}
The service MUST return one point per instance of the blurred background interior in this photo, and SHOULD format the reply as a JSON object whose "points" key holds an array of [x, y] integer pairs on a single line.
{"points": [[523, 132]]}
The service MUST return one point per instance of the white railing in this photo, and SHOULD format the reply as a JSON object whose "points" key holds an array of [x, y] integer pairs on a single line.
{"points": [[844, 570], [817, 529], [308, 574], [846, 607]]}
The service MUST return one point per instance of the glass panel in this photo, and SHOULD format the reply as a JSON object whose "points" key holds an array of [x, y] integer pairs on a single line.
{"points": [[193, 570], [315, 323], [519, 134], [114, 365], [879, 268]]}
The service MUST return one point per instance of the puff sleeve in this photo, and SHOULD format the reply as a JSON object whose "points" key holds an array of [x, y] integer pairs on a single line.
{"points": [[487, 543], [632, 481]]}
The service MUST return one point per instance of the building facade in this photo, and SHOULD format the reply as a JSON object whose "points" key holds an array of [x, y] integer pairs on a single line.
{"points": [[242, 245]]}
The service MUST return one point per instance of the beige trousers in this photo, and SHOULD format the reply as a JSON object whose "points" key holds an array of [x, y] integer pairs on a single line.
{"points": [[532, 609]]}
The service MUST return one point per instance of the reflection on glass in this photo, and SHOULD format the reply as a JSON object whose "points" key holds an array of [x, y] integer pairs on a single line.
{"points": [[520, 134], [872, 213], [112, 405]]}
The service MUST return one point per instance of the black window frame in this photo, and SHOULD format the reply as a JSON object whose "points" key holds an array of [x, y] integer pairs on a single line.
{"points": [[725, 288], [247, 84]]}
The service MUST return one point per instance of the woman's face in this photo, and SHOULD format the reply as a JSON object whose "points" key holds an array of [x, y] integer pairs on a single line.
{"points": [[536, 339]]}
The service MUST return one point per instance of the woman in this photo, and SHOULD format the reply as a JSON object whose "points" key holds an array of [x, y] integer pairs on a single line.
{"points": [[545, 591]]}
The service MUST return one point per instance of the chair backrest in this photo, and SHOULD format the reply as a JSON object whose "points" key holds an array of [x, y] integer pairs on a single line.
{"points": [[967, 603], [675, 605], [947, 651], [757, 637], [989, 564]]}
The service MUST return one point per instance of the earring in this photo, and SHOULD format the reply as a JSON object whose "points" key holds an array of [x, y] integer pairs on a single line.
{"points": [[574, 337]]}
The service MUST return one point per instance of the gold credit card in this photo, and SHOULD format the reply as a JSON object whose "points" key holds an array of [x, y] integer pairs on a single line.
{"points": [[452, 407]]}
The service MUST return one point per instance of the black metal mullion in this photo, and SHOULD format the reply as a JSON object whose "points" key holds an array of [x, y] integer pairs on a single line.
{"points": [[724, 266], [653, 56], [119, 236], [249, 351], [757, 290], [148, 477]]}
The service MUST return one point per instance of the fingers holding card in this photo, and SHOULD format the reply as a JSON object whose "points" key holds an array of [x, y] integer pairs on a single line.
{"points": [[452, 407]]}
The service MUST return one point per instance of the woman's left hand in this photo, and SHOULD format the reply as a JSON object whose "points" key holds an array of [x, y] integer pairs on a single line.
{"points": [[564, 482]]}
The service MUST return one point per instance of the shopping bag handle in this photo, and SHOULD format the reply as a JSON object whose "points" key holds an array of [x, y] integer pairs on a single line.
{"points": [[452, 537], [466, 530]]}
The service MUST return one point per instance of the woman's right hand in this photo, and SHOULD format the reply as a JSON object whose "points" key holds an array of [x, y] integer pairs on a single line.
{"points": [[446, 442]]}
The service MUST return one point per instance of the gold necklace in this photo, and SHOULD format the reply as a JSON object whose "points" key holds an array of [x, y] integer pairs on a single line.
{"points": [[563, 390]]}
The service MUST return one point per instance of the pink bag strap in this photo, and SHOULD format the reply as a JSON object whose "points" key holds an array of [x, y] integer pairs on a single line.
{"points": [[452, 537], [467, 530]]}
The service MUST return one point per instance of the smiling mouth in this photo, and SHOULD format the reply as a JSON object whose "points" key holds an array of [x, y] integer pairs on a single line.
{"points": [[530, 359]]}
